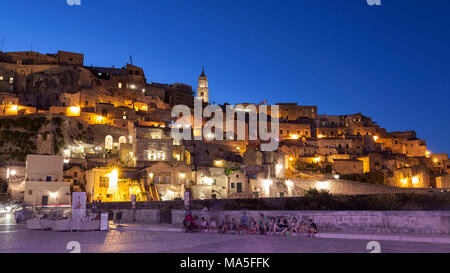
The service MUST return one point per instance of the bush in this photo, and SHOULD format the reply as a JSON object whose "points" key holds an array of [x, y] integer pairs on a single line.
{"points": [[371, 177], [307, 167]]}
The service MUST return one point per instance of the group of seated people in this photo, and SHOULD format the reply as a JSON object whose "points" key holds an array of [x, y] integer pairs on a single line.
{"points": [[263, 225]]}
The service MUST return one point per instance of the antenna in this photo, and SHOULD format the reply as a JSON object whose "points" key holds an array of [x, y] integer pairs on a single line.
{"points": [[131, 60]]}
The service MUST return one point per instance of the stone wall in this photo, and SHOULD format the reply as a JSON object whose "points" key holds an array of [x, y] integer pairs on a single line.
{"points": [[382, 222], [339, 186]]}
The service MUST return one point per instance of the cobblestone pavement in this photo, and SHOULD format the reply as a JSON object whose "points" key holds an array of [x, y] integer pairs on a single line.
{"points": [[21, 240], [16, 238]]}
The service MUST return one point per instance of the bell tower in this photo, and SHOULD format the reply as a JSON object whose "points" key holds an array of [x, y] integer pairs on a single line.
{"points": [[203, 90]]}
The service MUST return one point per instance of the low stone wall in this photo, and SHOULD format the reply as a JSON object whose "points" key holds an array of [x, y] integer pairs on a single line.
{"points": [[339, 186], [385, 222], [381, 222]]}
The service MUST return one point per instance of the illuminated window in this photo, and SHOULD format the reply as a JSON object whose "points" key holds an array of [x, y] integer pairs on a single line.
{"points": [[122, 139], [1, 78], [120, 85], [108, 142], [11, 80]]}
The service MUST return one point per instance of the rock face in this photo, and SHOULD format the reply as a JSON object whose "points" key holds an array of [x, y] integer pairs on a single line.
{"points": [[39, 134], [48, 85]]}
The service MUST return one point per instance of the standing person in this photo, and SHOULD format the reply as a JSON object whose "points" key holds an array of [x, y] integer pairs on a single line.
{"points": [[262, 224], [244, 223], [119, 216], [312, 228], [188, 221]]}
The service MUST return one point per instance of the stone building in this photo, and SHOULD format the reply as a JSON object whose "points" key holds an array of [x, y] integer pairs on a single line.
{"points": [[293, 111], [44, 182], [36, 58], [293, 130], [411, 177], [169, 178], [348, 166], [151, 144]]}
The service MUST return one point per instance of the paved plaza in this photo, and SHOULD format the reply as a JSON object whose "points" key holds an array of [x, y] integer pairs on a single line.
{"points": [[16, 238]]}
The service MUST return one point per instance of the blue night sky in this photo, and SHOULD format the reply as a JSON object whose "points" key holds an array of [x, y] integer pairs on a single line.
{"points": [[390, 62]]}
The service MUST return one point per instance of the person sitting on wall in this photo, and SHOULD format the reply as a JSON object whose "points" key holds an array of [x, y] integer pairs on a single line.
{"points": [[202, 224], [312, 228], [252, 229], [303, 229], [282, 226], [294, 226], [262, 224], [225, 225], [272, 226], [212, 225], [196, 222], [234, 226]]}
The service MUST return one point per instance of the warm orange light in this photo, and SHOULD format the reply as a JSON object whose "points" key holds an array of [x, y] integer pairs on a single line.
{"points": [[294, 136], [14, 107], [375, 138], [317, 159], [427, 153], [74, 110], [435, 160], [291, 158], [320, 136], [415, 180], [99, 119]]}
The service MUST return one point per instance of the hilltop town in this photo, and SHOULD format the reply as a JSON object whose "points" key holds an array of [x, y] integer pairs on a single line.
{"points": [[110, 129]]}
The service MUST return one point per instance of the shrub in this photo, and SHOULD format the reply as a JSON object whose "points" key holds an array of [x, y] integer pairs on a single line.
{"points": [[371, 177]]}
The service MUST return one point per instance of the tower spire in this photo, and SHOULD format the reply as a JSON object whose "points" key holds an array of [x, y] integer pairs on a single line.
{"points": [[203, 72]]}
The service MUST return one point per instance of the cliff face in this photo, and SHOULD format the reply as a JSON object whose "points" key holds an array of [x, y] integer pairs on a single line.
{"points": [[49, 84], [41, 85], [39, 134]]}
